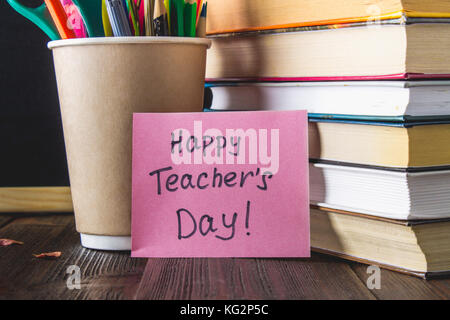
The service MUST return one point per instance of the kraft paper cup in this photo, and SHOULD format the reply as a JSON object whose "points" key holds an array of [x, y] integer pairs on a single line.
{"points": [[101, 82]]}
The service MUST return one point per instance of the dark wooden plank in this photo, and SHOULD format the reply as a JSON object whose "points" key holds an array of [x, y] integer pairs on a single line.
{"points": [[322, 277], [441, 285], [52, 219], [19, 269], [5, 219], [317, 278], [104, 275], [398, 286], [34, 218]]}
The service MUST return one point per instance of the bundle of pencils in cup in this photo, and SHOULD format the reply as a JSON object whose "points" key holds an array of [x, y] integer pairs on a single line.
{"points": [[182, 18], [66, 19]]}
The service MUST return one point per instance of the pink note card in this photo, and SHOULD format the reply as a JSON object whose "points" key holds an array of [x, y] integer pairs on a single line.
{"points": [[220, 184]]}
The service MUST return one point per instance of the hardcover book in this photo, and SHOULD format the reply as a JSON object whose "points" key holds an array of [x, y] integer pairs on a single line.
{"points": [[417, 248], [385, 144], [396, 101], [372, 52], [381, 192], [247, 15]]}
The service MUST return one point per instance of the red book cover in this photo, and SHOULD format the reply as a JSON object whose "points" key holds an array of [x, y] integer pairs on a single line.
{"points": [[399, 76]]}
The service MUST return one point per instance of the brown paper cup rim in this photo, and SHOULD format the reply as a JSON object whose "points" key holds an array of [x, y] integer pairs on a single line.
{"points": [[128, 40]]}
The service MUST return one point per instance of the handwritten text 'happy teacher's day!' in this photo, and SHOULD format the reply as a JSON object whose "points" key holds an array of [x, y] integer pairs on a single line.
{"points": [[215, 148]]}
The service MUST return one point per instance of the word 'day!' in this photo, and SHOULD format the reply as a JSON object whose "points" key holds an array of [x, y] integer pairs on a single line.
{"points": [[220, 184]]}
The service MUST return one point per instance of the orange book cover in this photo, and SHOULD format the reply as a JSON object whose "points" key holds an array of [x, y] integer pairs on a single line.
{"points": [[255, 15]]}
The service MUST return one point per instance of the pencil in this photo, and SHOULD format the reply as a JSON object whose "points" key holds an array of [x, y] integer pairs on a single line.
{"points": [[149, 7], [132, 8], [199, 10], [167, 6], [124, 4], [193, 18], [160, 25], [106, 24], [180, 17], [190, 12], [173, 17], [201, 25]]}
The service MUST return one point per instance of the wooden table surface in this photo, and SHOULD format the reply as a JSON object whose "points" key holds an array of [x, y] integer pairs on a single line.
{"points": [[106, 275]]}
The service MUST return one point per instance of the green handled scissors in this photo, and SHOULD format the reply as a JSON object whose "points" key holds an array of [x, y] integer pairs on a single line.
{"points": [[39, 16], [91, 12]]}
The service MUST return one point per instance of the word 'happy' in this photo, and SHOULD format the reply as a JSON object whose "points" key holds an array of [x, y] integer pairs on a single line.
{"points": [[214, 147]]}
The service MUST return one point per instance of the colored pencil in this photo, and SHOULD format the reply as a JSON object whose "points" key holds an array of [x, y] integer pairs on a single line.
{"points": [[132, 8], [173, 18], [190, 12], [105, 18], [149, 6], [160, 25], [179, 5], [201, 25], [199, 10], [167, 6]]}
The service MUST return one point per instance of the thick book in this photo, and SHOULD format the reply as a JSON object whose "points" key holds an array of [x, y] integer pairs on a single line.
{"points": [[248, 15], [401, 194], [420, 248], [371, 52], [399, 145], [397, 101]]}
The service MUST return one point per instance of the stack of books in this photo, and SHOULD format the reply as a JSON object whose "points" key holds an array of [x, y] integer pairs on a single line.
{"points": [[372, 75]]}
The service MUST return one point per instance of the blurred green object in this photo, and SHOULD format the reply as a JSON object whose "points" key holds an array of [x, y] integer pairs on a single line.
{"points": [[39, 16]]}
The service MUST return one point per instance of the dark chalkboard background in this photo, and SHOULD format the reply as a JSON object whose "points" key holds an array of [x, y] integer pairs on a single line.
{"points": [[31, 139]]}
